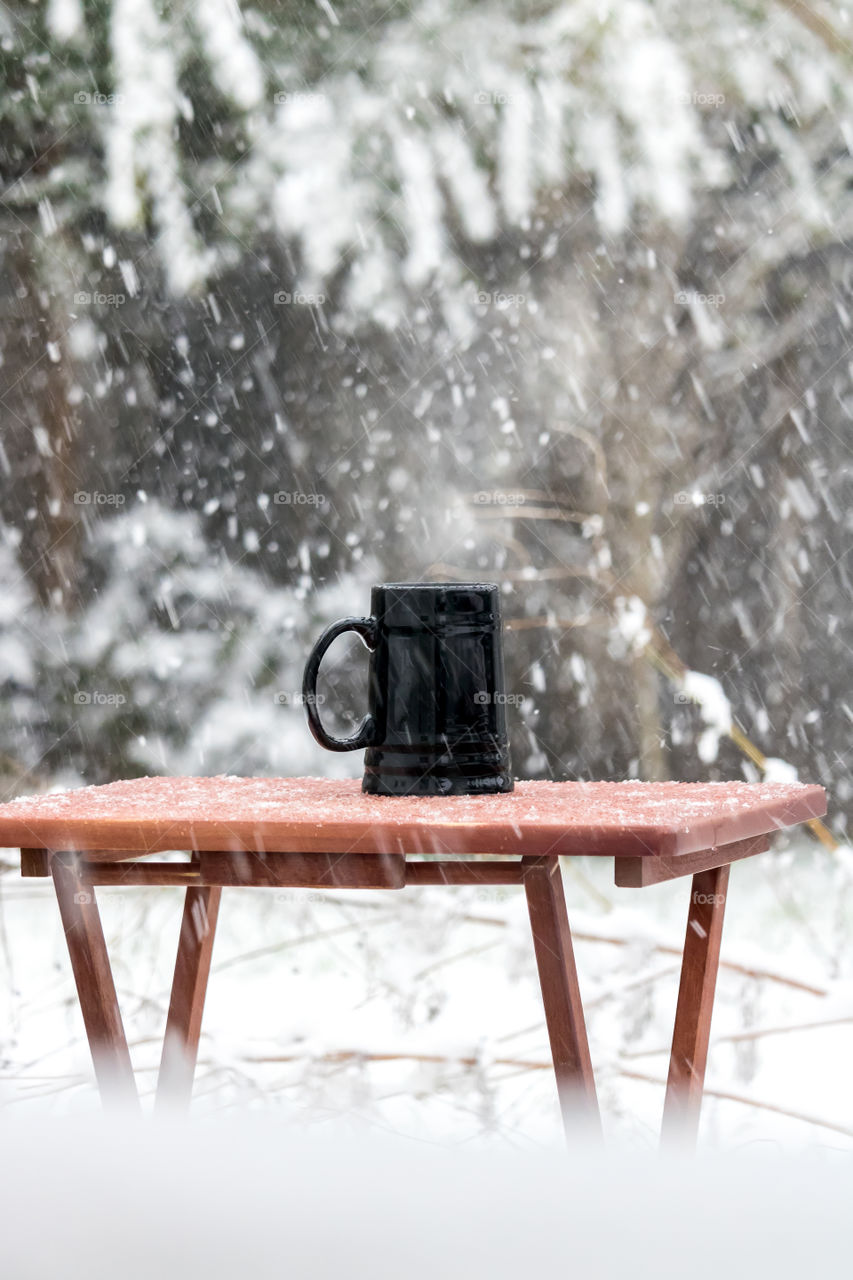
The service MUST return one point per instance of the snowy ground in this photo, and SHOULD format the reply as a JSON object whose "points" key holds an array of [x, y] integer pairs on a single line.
{"points": [[418, 1013], [258, 1201]]}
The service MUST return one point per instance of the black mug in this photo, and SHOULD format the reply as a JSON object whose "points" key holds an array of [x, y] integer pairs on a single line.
{"points": [[436, 722]]}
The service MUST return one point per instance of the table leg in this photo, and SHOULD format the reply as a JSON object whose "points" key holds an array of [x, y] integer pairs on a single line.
{"points": [[90, 964], [189, 986], [692, 1031], [552, 940]]}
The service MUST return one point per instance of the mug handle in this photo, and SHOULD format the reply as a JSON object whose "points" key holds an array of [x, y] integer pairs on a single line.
{"points": [[363, 736]]}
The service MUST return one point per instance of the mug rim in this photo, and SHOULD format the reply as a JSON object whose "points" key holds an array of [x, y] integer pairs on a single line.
{"points": [[436, 586]]}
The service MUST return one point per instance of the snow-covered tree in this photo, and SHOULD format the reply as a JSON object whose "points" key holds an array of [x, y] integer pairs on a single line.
{"points": [[382, 144], [179, 663]]}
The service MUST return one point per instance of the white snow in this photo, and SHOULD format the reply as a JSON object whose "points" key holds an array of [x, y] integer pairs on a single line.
{"points": [[396, 1206], [140, 132], [499, 103], [235, 66], [775, 770], [299, 977], [714, 708], [632, 630], [65, 19]]}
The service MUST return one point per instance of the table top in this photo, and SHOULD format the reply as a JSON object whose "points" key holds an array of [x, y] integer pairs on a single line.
{"points": [[304, 815]]}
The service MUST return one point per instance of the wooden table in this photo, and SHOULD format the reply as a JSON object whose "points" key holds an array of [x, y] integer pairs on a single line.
{"points": [[316, 833]]}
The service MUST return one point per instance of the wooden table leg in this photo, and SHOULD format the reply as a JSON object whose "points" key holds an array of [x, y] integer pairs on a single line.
{"points": [[189, 986], [692, 1031], [558, 978], [90, 964]]}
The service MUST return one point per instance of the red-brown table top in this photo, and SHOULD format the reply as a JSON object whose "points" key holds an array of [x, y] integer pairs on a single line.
{"points": [[303, 815]]}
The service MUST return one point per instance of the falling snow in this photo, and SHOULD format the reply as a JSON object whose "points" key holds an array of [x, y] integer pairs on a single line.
{"points": [[555, 296]]}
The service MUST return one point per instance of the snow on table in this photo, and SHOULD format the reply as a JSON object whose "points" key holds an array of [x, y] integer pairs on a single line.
{"points": [[146, 815]]}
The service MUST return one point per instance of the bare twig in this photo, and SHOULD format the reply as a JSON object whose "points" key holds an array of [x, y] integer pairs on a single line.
{"points": [[336, 1056], [614, 994], [748, 1102], [557, 624], [459, 955], [533, 513], [283, 946], [749, 971], [757, 1033], [821, 27], [595, 448]]}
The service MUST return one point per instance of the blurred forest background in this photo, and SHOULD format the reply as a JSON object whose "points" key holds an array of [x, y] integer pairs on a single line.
{"points": [[297, 297]]}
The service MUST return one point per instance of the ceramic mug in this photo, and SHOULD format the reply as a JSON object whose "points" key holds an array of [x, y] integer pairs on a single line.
{"points": [[436, 722]]}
